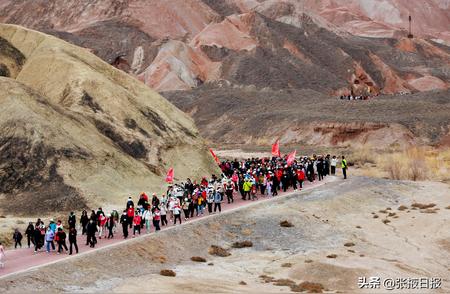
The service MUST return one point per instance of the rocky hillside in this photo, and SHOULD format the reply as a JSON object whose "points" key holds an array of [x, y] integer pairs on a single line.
{"points": [[179, 45], [77, 131]]}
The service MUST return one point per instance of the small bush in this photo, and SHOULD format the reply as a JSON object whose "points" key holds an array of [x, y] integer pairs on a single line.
{"points": [[167, 273], [218, 251], [283, 282], [198, 259], [332, 255], [311, 287], [286, 224], [242, 283], [242, 244], [287, 264], [349, 244], [266, 278], [402, 207], [386, 221], [423, 206]]}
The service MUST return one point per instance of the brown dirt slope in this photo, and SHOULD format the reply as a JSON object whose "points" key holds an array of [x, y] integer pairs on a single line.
{"points": [[245, 115], [77, 126]]}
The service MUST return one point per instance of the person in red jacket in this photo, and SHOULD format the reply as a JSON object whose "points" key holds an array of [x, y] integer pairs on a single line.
{"points": [[130, 215], [137, 223], [300, 177]]}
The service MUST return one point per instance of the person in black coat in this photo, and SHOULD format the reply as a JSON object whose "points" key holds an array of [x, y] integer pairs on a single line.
{"points": [[29, 233], [73, 240], [91, 230], [124, 222], [72, 220], [84, 220]]}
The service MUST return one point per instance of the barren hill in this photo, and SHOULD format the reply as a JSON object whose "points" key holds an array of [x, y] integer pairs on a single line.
{"points": [[179, 45], [77, 131]]}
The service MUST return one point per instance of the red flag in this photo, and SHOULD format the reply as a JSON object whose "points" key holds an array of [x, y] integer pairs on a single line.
{"points": [[214, 155], [291, 157], [169, 177], [276, 148]]}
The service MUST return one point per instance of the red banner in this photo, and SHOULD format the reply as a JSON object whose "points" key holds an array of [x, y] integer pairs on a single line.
{"points": [[214, 155], [291, 157], [276, 148], [169, 176]]}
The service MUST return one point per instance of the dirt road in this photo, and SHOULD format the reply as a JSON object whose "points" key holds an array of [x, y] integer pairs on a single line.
{"points": [[21, 260]]}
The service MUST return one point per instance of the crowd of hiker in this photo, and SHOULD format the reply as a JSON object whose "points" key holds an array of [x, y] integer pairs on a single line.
{"points": [[248, 179]]}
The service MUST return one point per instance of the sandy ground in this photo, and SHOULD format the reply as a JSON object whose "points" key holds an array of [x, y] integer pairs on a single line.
{"points": [[415, 243]]}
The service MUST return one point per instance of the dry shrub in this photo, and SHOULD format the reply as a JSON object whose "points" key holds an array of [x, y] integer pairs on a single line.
{"points": [[242, 244], [388, 208], [402, 207], [2, 216], [311, 287], [167, 273], [383, 211], [218, 251], [429, 210], [308, 261], [417, 164], [287, 264], [210, 264], [198, 259], [351, 251], [362, 156], [391, 214], [349, 244], [448, 207], [332, 255], [242, 283], [423, 206], [286, 224], [283, 282], [386, 221], [361, 255], [375, 216], [266, 278], [358, 227]]}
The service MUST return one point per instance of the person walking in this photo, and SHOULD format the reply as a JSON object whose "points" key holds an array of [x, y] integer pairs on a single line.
{"points": [[49, 236], [17, 237], [344, 167], [217, 202], [176, 213], [2, 256], [29, 233], [333, 163], [137, 223], [110, 224], [91, 240], [72, 220], [61, 240], [124, 222], [156, 218], [73, 240], [84, 220]]}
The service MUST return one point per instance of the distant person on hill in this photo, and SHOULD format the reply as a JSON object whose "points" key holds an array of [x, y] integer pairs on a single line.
{"points": [[344, 167], [2, 256], [333, 164], [29, 233], [124, 222], [73, 240], [17, 237]]}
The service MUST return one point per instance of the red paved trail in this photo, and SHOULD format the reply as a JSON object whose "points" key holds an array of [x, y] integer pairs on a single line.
{"points": [[20, 260]]}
